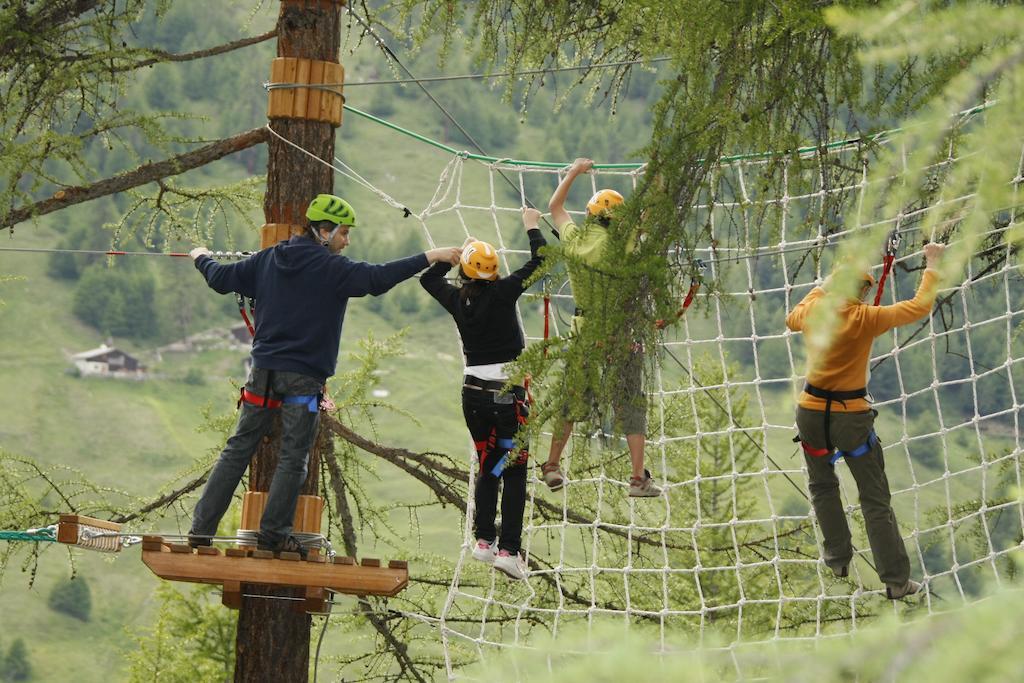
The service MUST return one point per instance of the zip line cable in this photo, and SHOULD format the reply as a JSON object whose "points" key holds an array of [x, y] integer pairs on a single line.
{"points": [[390, 54], [476, 77], [99, 252]]}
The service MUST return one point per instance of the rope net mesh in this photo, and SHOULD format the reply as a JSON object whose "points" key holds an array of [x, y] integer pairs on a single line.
{"points": [[733, 547]]}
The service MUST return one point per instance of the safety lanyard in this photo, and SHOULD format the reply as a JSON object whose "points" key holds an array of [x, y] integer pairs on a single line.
{"points": [[252, 308], [892, 245], [696, 279]]}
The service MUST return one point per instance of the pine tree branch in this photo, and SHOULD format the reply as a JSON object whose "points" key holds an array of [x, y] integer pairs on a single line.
{"points": [[164, 500], [162, 56], [444, 493], [141, 175], [399, 457], [50, 15]]}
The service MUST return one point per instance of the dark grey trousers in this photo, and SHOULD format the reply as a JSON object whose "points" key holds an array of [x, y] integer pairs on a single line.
{"points": [[848, 431], [298, 432]]}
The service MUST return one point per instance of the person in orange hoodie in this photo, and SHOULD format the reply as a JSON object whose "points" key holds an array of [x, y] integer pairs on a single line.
{"points": [[836, 421]]}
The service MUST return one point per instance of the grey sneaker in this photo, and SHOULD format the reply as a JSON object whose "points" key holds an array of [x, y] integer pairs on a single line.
{"points": [[842, 572], [552, 475], [897, 592], [511, 565], [643, 488]]}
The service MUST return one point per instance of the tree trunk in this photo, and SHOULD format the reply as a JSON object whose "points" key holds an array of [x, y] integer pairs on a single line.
{"points": [[273, 638]]}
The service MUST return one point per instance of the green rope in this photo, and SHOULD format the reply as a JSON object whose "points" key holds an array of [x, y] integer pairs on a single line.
{"points": [[37, 536], [478, 157], [838, 144]]}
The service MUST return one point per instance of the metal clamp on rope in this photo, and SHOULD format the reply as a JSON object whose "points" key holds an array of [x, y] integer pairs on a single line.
{"points": [[696, 280], [241, 309], [892, 244]]}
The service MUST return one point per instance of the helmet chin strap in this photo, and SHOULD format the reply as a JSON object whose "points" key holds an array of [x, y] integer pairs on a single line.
{"points": [[324, 242]]}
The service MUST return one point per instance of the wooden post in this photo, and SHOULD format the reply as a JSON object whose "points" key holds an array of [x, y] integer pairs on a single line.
{"points": [[273, 640]]}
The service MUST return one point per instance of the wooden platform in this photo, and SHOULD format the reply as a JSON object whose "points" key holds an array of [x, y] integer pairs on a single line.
{"points": [[237, 566]]}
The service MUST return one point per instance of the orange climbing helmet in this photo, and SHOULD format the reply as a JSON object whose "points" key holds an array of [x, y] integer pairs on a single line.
{"points": [[480, 261], [603, 201]]}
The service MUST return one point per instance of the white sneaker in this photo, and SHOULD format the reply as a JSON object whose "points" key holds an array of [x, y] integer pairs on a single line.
{"points": [[513, 566], [484, 551]]}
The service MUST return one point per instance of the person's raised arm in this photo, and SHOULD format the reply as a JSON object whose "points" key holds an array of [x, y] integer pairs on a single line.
{"points": [[513, 284], [359, 279], [557, 203], [882, 318], [434, 282]]}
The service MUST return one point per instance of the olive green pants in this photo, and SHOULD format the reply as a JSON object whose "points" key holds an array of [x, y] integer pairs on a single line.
{"points": [[848, 431]]}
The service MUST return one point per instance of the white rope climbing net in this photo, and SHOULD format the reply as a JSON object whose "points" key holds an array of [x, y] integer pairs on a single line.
{"points": [[733, 548]]}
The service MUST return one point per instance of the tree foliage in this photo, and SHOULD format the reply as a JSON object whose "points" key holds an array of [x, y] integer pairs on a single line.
{"points": [[193, 639], [16, 664], [72, 597], [67, 66]]}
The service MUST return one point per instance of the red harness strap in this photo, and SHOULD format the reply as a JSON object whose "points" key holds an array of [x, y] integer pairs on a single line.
{"points": [[257, 400], [816, 452]]}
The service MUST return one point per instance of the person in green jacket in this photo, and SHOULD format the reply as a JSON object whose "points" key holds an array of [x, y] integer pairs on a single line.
{"points": [[590, 260]]}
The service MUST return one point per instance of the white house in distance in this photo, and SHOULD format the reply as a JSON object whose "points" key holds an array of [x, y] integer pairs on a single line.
{"points": [[108, 361]]}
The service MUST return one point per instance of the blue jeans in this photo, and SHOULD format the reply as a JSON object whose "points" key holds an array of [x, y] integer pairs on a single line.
{"points": [[298, 433]]}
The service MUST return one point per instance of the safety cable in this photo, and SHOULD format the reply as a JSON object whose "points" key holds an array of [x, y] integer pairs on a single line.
{"points": [[389, 53]]}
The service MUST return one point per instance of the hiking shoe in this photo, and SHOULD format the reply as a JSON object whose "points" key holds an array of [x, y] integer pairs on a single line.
{"points": [[643, 488], [552, 475], [897, 592], [289, 545], [484, 551], [198, 540], [511, 564]]}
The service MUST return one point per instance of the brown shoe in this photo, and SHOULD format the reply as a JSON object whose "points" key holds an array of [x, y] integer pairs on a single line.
{"points": [[907, 589]]}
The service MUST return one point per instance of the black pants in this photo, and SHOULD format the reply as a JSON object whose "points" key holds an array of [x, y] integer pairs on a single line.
{"points": [[493, 420]]}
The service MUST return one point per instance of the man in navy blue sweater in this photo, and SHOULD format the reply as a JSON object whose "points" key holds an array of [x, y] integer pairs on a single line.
{"points": [[302, 287]]}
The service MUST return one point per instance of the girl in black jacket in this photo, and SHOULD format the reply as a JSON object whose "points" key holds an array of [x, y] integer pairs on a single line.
{"points": [[484, 308]]}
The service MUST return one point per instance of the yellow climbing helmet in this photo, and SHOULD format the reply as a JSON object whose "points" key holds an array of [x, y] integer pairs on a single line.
{"points": [[480, 261], [603, 202], [328, 207]]}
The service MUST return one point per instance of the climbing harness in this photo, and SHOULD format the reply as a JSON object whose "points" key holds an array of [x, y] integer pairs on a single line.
{"points": [[311, 401], [830, 450], [837, 455], [892, 245], [519, 398]]}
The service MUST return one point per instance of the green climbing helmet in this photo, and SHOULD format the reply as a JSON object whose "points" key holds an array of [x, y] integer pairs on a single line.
{"points": [[327, 207]]}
